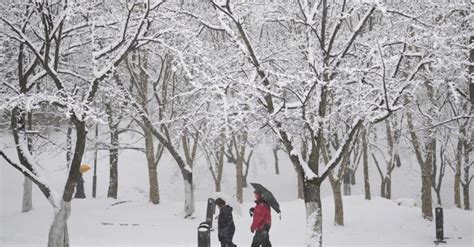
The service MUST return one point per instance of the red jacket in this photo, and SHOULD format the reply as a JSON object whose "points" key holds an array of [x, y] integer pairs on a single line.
{"points": [[261, 216]]}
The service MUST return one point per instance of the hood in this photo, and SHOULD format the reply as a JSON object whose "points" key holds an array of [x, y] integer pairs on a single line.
{"points": [[259, 197], [227, 209]]}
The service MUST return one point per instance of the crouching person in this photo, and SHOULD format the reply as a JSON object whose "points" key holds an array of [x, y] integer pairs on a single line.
{"points": [[225, 224]]}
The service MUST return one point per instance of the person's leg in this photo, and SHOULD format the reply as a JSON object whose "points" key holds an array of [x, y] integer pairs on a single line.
{"points": [[257, 239], [266, 238]]}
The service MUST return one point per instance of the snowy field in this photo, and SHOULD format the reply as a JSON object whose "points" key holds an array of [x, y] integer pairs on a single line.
{"points": [[377, 223], [96, 222]]}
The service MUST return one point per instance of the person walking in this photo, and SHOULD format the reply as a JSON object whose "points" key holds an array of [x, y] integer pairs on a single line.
{"points": [[225, 224], [262, 221]]}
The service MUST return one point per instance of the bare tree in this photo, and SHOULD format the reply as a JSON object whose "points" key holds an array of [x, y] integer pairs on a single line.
{"points": [[391, 158], [319, 86], [42, 33]]}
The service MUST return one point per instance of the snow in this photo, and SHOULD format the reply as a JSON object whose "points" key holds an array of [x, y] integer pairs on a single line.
{"points": [[308, 173], [132, 221], [138, 223], [406, 202]]}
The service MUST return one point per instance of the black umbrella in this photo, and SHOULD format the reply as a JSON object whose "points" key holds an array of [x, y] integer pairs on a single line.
{"points": [[267, 196]]}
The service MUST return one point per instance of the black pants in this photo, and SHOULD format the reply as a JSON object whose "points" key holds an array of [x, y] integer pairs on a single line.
{"points": [[225, 243], [262, 238]]}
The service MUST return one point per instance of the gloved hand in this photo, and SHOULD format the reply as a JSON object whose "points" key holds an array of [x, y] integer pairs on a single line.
{"points": [[251, 230], [251, 211]]}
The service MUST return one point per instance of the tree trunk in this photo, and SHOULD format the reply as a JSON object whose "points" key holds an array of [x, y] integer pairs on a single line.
{"points": [[347, 182], [58, 234], [246, 173], [314, 219], [154, 186], [275, 155], [388, 187], [154, 192], [113, 159], [218, 185], [353, 176], [239, 174], [426, 198], [188, 193], [457, 176], [244, 179], [465, 190], [366, 165], [220, 165], [426, 168], [457, 190], [338, 206], [94, 177], [438, 196], [27, 203], [382, 188], [300, 179], [69, 145], [467, 177]]}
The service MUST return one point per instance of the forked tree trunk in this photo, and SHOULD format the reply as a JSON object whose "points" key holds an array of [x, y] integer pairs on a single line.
{"points": [[188, 193], [426, 168], [314, 219], [58, 234]]}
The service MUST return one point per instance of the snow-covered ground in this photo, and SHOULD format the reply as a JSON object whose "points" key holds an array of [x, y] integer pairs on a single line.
{"points": [[379, 222], [96, 222]]}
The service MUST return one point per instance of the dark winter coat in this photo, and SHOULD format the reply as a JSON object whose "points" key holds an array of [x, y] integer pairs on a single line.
{"points": [[225, 224]]}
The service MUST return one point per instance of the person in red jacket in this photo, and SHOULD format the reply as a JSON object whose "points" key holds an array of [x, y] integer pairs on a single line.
{"points": [[262, 220]]}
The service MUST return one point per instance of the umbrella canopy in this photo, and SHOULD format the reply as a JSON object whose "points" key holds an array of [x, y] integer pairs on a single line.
{"points": [[267, 196], [230, 200]]}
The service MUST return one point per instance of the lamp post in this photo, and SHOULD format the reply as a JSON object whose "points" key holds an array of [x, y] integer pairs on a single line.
{"points": [[204, 229], [94, 178], [439, 225]]}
